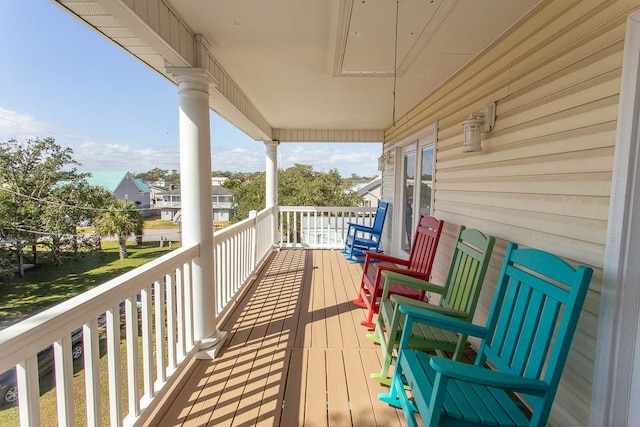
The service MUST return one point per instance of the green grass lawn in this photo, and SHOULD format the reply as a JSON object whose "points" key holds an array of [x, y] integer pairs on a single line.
{"points": [[46, 284], [150, 224]]}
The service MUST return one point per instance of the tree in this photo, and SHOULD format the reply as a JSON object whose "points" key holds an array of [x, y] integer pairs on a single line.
{"points": [[153, 174], [173, 178], [121, 219], [30, 172], [249, 196], [69, 204], [298, 185]]}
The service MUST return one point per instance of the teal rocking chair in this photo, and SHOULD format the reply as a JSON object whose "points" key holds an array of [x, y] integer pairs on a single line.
{"points": [[532, 321]]}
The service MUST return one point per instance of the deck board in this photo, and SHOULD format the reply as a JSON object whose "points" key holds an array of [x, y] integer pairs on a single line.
{"points": [[296, 354]]}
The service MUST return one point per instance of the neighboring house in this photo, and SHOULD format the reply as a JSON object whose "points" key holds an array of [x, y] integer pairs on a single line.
{"points": [[222, 203], [125, 187], [169, 203], [218, 180], [155, 191], [370, 191]]}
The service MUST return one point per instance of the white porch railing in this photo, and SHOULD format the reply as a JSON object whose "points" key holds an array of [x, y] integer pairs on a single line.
{"points": [[140, 304], [238, 251], [319, 227]]}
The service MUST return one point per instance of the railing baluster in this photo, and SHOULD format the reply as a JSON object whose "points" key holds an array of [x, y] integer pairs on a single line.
{"points": [[63, 367], [147, 342], [131, 322], [114, 366], [28, 392], [180, 318], [91, 351], [161, 372], [171, 321], [188, 309]]}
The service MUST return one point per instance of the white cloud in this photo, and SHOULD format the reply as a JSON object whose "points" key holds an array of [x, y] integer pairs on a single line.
{"points": [[238, 159], [19, 125], [95, 156], [361, 159]]}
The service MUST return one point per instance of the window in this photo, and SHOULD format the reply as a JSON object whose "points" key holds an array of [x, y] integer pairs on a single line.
{"points": [[416, 188]]}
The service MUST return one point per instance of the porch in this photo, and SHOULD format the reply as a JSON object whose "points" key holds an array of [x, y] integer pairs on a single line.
{"points": [[296, 355], [293, 336]]}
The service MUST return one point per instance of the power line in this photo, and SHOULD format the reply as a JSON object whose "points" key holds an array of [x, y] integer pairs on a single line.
{"points": [[61, 205]]}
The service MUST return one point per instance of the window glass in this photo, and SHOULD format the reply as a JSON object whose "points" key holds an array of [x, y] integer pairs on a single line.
{"points": [[409, 179], [426, 181]]}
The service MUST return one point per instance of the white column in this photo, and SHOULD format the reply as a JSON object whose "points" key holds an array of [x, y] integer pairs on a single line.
{"points": [[272, 173], [197, 208], [271, 178]]}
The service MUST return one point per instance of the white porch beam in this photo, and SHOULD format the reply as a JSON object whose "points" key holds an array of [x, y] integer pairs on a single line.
{"points": [[328, 135], [194, 85]]}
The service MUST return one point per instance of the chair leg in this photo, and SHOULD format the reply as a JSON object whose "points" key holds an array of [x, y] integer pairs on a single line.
{"points": [[379, 337], [353, 256], [362, 297], [397, 397], [369, 322]]}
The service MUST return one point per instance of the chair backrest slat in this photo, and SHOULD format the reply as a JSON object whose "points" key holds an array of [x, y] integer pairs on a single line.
{"points": [[381, 213], [467, 270], [542, 342], [520, 358], [425, 243], [461, 295], [516, 324]]}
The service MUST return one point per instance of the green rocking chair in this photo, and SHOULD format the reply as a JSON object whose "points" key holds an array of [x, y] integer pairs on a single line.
{"points": [[460, 294]]}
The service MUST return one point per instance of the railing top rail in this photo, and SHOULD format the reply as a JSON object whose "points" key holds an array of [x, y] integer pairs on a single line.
{"points": [[38, 331], [332, 209], [244, 224]]}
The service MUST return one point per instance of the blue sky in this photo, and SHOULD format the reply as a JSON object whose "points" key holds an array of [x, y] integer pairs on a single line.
{"points": [[59, 78]]}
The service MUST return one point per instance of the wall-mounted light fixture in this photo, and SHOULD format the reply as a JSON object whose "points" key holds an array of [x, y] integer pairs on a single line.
{"points": [[477, 123], [384, 160]]}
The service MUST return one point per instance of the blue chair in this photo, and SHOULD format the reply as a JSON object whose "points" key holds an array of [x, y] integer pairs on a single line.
{"points": [[360, 238], [531, 324]]}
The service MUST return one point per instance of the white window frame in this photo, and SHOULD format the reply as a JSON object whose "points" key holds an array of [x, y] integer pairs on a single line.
{"points": [[414, 143]]}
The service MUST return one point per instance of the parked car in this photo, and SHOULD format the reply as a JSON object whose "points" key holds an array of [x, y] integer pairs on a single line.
{"points": [[8, 382]]}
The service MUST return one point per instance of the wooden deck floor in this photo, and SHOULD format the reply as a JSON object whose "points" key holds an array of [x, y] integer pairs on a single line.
{"points": [[296, 356]]}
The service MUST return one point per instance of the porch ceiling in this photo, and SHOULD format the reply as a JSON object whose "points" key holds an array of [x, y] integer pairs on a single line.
{"points": [[308, 65]]}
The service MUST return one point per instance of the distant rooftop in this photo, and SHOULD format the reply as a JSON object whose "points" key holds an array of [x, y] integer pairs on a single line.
{"points": [[107, 179], [110, 180]]}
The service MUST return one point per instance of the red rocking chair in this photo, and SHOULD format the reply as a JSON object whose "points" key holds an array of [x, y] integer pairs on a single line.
{"points": [[423, 252]]}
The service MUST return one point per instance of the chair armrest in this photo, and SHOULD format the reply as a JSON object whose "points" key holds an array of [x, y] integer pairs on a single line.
{"points": [[377, 256], [359, 227], [406, 279], [390, 268], [435, 308], [480, 375], [439, 320]]}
